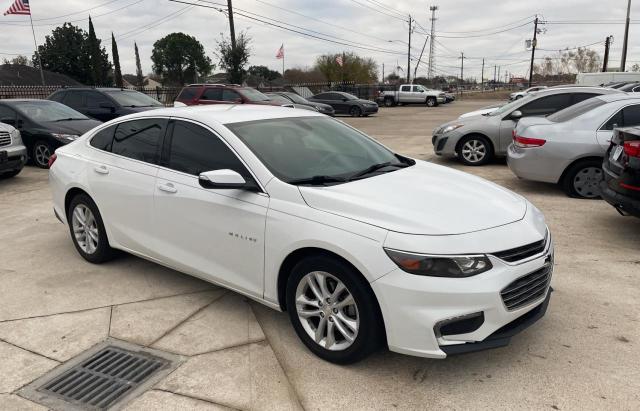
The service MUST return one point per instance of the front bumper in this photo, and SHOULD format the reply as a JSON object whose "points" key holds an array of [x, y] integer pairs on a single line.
{"points": [[369, 109], [441, 100], [16, 157], [445, 144]]}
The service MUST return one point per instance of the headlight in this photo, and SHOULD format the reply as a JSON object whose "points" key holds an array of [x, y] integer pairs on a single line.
{"points": [[440, 266], [448, 129], [15, 135], [67, 137]]}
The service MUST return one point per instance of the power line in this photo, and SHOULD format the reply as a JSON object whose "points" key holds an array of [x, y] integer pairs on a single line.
{"points": [[489, 28], [378, 10], [154, 23], [485, 34]]}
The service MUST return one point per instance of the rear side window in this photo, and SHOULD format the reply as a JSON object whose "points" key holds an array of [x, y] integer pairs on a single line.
{"points": [[7, 115], [214, 93], [73, 99], [93, 99], [102, 139], [194, 149], [187, 93], [631, 115], [139, 139], [546, 105], [230, 95], [578, 97], [405, 88]]}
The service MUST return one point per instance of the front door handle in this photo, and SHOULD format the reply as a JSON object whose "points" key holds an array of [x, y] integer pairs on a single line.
{"points": [[167, 188], [101, 170]]}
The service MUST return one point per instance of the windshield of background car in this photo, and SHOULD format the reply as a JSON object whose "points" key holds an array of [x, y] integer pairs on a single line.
{"points": [[253, 95], [576, 110], [130, 98], [302, 147], [48, 111], [297, 99], [278, 99], [512, 106], [349, 96]]}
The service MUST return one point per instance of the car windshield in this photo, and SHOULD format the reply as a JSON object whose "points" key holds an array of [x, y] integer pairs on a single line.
{"points": [[278, 99], [131, 98], [297, 99], [47, 111], [301, 148], [254, 95], [512, 106], [576, 110]]}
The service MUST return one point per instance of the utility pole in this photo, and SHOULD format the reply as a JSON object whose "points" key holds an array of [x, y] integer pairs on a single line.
{"points": [[461, 68], [607, 45], [382, 73], [232, 29], [482, 76], [408, 54], [495, 68], [623, 62], [533, 48], [432, 57], [415, 69], [500, 81]]}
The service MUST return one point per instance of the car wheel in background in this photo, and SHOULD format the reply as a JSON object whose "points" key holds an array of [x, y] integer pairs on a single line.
{"points": [[41, 152], [10, 174], [87, 230], [582, 180], [388, 102], [475, 150], [432, 102], [355, 111], [333, 310]]}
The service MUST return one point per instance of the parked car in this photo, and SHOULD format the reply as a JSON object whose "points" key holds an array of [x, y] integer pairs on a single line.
{"points": [[630, 88], [104, 103], [285, 102], [519, 94], [568, 147], [44, 125], [196, 94], [345, 103], [298, 99], [449, 97], [13, 153], [478, 139], [306, 214], [412, 94], [621, 185]]}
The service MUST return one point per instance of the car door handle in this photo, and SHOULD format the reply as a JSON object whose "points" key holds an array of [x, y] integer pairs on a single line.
{"points": [[167, 188], [101, 170]]}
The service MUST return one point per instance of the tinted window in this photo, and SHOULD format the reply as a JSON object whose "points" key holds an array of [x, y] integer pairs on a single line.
{"points": [[546, 105], [578, 97], [102, 139], [73, 99], [139, 139], [94, 99], [57, 96], [405, 88], [323, 96], [616, 121], [576, 110], [631, 115], [7, 115], [187, 93], [229, 95], [195, 149], [212, 94]]}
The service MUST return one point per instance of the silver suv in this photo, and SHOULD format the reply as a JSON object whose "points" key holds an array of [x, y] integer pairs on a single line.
{"points": [[13, 153]]}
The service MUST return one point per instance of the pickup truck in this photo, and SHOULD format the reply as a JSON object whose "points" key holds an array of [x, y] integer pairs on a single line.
{"points": [[412, 94]]}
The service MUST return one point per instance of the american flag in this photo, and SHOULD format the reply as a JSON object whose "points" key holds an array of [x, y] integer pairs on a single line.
{"points": [[339, 60], [19, 7], [280, 54]]}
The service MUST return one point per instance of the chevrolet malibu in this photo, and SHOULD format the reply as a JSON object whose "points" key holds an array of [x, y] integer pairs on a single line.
{"points": [[361, 246]]}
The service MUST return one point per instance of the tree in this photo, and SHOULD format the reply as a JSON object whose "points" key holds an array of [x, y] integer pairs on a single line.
{"points": [[233, 59], [635, 67], [264, 73], [117, 74], [179, 58], [139, 76], [582, 60], [305, 75], [354, 68], [98, 58], [19, 60]]}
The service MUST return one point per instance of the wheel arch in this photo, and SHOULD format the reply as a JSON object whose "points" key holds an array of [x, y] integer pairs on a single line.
{"points": [[591, 157], [70, 194], [474, 133]]}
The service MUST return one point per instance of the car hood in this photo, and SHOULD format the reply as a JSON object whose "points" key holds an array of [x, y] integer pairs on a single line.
{"points": [[423, 199], [479, 112], [78, 127], [362, 101], [321, 106]]}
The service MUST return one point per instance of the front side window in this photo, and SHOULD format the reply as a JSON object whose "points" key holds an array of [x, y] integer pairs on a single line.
{"points": [[576, 110], [7, 115], [194, 150], [103, 139], [187, 93], [96, 100], [546, 105], [418, 89], [139, 139], [214, 93], [230, 95], [253, 94]]}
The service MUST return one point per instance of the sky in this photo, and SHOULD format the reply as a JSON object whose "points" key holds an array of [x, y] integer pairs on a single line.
{"points": [[378, 29]]}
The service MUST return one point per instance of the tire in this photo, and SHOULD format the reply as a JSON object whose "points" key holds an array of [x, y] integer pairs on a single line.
{"points": [[40, 153], [475, 150], [431, 102], [11, 173], [518, 97], [355, 111], [582, 180], [364, 315], [388, 102], [99, 251]]}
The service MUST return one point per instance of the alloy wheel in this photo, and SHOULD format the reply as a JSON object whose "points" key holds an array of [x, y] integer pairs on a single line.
{"points": [[85, 228], [431, 102], [42, 154], [474, 151], [587, 182], [327, 311]]}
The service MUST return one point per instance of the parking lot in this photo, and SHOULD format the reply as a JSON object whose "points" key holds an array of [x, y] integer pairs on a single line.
{"points": [[584, 354]]}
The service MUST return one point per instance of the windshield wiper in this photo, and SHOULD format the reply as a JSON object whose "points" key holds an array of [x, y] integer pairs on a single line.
{"points": [[318, 180], [68, 119], [376, 167]]}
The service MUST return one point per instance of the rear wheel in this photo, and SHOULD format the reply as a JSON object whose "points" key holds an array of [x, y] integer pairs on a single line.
{"points": [[475, 150], [388, 102], [355, 111], [582, 180], [431, 102], [87, 230], [42, 150]]}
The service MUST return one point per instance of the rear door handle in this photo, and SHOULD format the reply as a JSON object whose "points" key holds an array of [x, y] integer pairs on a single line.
{"points": [[167, 188], [101, 170]]}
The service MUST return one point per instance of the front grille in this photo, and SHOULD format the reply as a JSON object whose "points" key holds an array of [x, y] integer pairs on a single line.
{"points": [[527, 289], [5, 138], [520, 253]]}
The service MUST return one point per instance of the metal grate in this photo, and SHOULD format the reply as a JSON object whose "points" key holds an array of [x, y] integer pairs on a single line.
{"points": [[527, 289], [5, 138], [525, 251], [104, 378]]}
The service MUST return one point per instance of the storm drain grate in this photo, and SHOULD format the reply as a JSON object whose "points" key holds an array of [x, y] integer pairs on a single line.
{"points": [[102, 378]]}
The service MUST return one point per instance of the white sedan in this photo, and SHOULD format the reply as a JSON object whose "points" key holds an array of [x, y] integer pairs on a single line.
{"points": [[361, 246]]}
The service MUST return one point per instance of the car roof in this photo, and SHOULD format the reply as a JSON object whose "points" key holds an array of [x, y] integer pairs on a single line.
{"points": [[227, 113], [619, 96], [24, 100], [575, 89]]}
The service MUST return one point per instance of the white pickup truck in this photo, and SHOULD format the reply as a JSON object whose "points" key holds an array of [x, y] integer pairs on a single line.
{"points": [[412, 94]]}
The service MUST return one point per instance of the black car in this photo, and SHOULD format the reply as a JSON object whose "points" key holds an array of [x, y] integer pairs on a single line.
{"points": [[298, 99], [621, 166], [345, 103], [44, 125], [104, 104]]}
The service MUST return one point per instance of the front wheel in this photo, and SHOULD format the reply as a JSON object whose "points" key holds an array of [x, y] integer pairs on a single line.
{"points": [[432, 102], [475, 150], [582, 180], [333, 310], [42, 150], [355, 111]]}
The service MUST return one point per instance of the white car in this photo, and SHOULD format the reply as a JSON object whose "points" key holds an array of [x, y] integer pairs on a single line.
{"points": [[303, 213], [519, 94]]}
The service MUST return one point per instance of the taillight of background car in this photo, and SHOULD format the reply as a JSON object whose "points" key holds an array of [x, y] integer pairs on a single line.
{"points": [[527, 142], [632, 148]]}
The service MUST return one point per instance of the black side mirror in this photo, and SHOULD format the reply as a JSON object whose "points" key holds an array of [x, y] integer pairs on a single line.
{"points": [[225, 179]]}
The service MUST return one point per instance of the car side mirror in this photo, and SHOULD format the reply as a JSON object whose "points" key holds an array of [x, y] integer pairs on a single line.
{"points": [[225, 179], [516, 115]]}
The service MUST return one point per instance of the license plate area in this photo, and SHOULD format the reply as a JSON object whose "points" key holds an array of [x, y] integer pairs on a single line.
{"points": [[616, 153]]}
